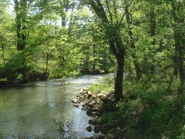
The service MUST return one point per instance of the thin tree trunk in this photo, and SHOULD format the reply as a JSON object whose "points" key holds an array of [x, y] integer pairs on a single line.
{"points": [[152, 31], [94, 60], [21, 11], [179, 43], [152, 25], [179, 59], [181, 69], [3, 49], [47, 59], [65, 7], [129, 22]]}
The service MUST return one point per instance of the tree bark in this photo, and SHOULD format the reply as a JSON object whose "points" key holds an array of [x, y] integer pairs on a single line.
{"points": [[21, 11], [3, 48], [115, 44], [119, 79], [94, 58], [129, 22], [152, 25], [179, 43], [120, 57], [152, 32]]}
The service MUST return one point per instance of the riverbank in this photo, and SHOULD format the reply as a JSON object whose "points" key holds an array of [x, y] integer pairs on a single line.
{"points": [[23, 78], [95, 106]]}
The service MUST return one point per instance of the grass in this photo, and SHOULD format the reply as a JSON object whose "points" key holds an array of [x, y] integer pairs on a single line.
{"points": [[105, 85], [104, 88]]}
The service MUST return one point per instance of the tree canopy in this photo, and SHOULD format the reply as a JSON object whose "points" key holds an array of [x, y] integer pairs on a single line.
{"points": [[139, 41]]}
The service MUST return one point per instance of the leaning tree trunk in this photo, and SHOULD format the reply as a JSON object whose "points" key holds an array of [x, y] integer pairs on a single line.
{"points": [[115, 44]]}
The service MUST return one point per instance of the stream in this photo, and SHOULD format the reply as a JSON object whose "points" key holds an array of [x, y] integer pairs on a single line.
{"points": [[43, 110]]}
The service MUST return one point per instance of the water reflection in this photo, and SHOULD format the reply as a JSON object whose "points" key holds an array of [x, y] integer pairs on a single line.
{"points": [[43, 110]]}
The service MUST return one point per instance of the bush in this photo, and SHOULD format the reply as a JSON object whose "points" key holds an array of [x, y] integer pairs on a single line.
{"points": [[148, 111]]}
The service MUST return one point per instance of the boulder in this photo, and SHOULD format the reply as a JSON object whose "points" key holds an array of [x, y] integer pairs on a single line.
{"points": [[85, 89], [81, 91], [94, 96], [92, 121], [89, 128], [101, 95], [89, 111], [75, 100], [76, 105], [92, 102], [85, 96], [89, 93], [98, 101]]}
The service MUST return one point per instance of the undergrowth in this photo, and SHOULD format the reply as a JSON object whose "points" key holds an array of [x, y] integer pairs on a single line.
{"points": [[147, 111], [105, 85]]}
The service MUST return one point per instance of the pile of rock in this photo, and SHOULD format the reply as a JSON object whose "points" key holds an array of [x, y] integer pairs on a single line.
{"points": [[92, 104]]}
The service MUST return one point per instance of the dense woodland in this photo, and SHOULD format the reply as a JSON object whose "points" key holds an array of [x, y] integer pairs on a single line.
{"points": [[142, 41]]}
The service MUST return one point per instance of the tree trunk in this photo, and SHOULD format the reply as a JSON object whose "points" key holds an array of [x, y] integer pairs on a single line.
{"points": [[152, 25], [178, 59], [120, 57], [47, 59], [3, 49], [181, 69], [119, 79], [21, 11], [115, 44], [152, 32], [179, 43], [94, 58], [64, 7], [129, 22]]}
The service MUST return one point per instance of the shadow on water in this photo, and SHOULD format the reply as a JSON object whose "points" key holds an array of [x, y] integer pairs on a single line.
{"points": [[44, 110]]}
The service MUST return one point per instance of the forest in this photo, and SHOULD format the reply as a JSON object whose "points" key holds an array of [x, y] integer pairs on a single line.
{"points": [[141, 41]]}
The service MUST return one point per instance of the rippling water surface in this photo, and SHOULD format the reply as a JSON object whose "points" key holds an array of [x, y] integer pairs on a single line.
{"points": [[43, 110]]}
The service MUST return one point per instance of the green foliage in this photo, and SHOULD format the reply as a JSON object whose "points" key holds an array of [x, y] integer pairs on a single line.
{"points": [[148, 110], [152, 106], [106, 85], [19, 77], [156, 110], [97, 88]]}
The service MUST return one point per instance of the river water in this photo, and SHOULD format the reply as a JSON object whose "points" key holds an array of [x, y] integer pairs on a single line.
{"points": [[43, 110]]}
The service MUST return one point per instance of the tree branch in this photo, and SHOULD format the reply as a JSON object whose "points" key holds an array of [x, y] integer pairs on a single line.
{"points": [[99, 10], [110, 14], [125, 12]]}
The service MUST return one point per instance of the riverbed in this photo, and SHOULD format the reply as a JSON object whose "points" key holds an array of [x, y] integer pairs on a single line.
{"points": [[43, 110]]}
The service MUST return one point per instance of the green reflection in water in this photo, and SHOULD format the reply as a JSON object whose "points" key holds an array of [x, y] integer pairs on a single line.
{"points": [[41, 112]]}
